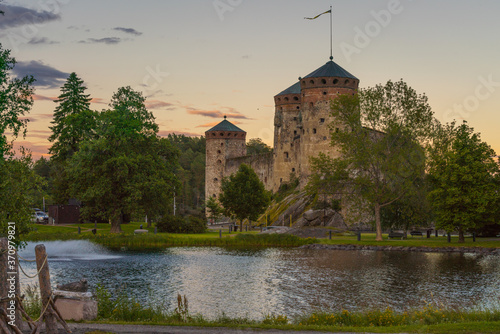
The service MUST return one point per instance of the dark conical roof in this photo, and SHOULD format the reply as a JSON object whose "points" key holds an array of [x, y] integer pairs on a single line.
{"points": [[294, 89], [225, 126], [330, 69]]}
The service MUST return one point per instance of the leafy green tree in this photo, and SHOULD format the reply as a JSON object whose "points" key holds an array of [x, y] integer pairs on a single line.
{"points": [[256, 146], [16, 99], [127, 168], [215, 211], [17, 179], [243, 195], [465, 178], [379, 134]]}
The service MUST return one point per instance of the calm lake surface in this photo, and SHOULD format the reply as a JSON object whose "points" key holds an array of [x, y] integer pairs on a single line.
{"points": [[281, 281]]}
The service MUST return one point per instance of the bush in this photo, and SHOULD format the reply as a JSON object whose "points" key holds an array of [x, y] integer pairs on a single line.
{"points": [[179, 224]]}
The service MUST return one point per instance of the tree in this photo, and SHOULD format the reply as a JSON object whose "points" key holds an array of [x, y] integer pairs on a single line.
{"points": [[17, 179], [465, 178], [127, 168], [215, 211], [379, 134], [256, 146], [243, 195], [73, 119]]}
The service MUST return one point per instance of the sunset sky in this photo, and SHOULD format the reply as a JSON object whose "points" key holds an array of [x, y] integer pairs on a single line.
{"points": [[198, 60]]}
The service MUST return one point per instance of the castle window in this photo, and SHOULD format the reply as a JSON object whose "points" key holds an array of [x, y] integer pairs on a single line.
{"points": [[216, 179], [314, 130], [311, 82], [335, 81], [281, 180], [265, 179], [281, 108], [324, 93], [299, 107], [295, 118], [213, 134], [311, 104], [221, 134], [322, 120], [286, 155], [295, 98], [293, 170], [214, 196], [221, 144], [219, 161], [218, 151], [279, 99], [304, 83], [323, 81], [324, 138], [286, 98], [295, 132], [236, 135], [337, 130], [346, 82]]}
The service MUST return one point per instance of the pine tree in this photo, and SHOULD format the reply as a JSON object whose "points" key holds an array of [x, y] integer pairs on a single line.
{"points": [[73, 119]]}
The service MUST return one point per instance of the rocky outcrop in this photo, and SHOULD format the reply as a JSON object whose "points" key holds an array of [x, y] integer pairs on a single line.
{"points": [[328, 218]]}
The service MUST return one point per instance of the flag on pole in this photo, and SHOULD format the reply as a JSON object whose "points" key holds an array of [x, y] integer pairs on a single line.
{"points": [[313, 18]]}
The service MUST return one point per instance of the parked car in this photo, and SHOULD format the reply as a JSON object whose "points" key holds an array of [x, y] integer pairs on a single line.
{"points": [[41, 217]]}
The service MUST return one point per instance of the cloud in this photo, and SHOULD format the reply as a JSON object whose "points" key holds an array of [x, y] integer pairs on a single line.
{"points": [[41, 40], [231, 113], [45, 75], [82, 27], [37, 150], [37, 97], [212, 124], [105, 40], [128, 31], [16, 16], [98, 100], [39, 117], [157, 104]]}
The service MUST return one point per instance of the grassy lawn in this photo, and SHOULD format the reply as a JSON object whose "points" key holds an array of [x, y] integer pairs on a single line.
{"points": [[211, 238]]}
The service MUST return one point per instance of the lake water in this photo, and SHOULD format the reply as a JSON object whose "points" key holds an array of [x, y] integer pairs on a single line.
{"points": [[281, 281]]}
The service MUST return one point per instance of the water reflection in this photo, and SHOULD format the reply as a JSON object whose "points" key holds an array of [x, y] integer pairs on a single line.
{"points": [[254, 283]]}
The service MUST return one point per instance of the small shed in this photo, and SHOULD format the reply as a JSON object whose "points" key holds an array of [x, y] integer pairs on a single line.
{"points": [[64, 214]]}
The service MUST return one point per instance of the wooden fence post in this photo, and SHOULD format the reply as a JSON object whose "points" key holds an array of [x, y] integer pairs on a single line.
{"points": [[42, 266], [4, 246]]}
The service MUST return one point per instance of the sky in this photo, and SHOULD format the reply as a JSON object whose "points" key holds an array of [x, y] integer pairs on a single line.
{"points": [[198, 60]]}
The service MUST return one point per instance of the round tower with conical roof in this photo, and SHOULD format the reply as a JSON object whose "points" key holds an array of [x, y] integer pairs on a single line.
{"points": [[317, 90], [223, 141]]}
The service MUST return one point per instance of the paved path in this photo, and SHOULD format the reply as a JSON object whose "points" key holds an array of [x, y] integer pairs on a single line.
{"points": [[144, 329]]}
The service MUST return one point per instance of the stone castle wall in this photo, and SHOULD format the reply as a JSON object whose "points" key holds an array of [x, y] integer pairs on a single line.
{"points": [[262, 164]]}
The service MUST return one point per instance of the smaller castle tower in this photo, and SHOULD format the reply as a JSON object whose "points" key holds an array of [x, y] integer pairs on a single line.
{"points": [[223, 141]]}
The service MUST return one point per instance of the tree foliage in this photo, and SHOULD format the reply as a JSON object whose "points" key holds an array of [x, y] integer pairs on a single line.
{"points": [[214, 209], [16, 99], [127, 168], [379, 134], [73, 120], [243, 195], [190, 172], [256, 146], [466, 179]]}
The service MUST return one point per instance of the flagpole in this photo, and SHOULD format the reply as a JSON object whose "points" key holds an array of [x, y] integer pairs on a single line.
{"points": [[331, 35]]}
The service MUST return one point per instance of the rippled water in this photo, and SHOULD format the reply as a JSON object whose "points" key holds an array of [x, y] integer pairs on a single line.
{"points": [[282, 281]]}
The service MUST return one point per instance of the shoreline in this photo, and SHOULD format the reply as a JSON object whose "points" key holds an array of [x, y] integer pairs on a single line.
{"points": [[451, 249]]}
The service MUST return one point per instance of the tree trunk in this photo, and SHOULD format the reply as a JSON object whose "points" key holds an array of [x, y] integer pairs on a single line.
{"points": [[461, 238], [116, 224], [378, 224], [241, 225]]}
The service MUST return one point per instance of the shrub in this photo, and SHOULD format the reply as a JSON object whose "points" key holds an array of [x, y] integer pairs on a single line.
{"points": [[178, 224]]}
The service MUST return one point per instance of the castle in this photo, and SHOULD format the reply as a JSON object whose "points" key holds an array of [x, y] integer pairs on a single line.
{"points": [[301, 130]]}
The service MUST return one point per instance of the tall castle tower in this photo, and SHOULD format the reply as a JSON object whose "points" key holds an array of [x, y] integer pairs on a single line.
{"points": [[302, 117], [224, 141]]}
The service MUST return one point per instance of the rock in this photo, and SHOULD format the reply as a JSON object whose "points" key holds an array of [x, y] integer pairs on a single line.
{"points": [[75, 306], [80, 286], [311, 215]]}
